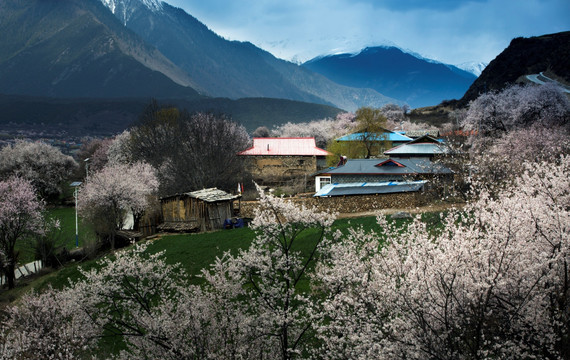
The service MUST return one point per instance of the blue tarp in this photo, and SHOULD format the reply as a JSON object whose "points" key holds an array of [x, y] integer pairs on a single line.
{"points": [[233, 223]]}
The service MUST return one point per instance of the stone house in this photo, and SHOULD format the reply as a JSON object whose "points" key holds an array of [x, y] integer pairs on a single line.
{"points": [[274, 161]]}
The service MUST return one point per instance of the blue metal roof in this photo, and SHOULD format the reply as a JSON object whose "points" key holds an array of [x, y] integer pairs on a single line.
{"points": [[387, 187], [393, 166], [388, 135]]}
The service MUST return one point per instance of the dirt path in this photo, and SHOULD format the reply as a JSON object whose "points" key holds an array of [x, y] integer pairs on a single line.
{"points": [[414, 210]]}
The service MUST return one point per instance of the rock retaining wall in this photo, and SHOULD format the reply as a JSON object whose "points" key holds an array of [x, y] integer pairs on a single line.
{"points": [[351, 204]]}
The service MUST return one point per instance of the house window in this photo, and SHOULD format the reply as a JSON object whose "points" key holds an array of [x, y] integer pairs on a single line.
{"points": [[325, 181], [322, 181]]}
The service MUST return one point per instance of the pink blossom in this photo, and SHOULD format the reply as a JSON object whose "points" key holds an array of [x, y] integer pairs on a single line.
{"points": [[20, 216]]}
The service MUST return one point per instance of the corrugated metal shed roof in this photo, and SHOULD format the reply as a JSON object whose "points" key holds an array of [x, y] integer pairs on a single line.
{"points": [[418, 149], [285, 147], [388, 135], [208, 195], [387, 187], [388, 167], [419, 133]]}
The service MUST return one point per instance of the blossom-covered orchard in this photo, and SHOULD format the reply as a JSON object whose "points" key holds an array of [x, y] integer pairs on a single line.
{"points": [[491, 283]]}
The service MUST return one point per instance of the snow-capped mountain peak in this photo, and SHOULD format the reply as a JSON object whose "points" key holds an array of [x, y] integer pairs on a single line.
{"points": [[475, 68], [125, 8]]}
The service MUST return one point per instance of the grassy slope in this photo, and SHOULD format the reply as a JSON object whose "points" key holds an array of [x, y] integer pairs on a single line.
{"points": [[193, 251]]}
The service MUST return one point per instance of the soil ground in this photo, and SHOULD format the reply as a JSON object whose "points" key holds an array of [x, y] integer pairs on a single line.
{"points": [[414, 210]]}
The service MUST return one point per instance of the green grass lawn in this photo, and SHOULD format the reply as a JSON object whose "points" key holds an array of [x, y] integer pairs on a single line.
{"points": [[197, 251], [66, 217], [65, 236], [193, 251]]}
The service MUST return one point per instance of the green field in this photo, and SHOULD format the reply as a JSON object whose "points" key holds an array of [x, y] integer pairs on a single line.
{"points": [[193, 251], [65, 236], [197, 251]]}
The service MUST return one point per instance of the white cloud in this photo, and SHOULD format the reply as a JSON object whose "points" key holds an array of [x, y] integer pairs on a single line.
{"points": [[446, 30]]}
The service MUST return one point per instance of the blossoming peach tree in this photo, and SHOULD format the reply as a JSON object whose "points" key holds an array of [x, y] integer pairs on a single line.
{"points": [[111, 193], [492, 283], [44, 165], [20, 217]]}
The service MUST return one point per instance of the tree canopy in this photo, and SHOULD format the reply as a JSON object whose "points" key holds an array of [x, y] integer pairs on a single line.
{"points": [[189, 151], [45, 166]]}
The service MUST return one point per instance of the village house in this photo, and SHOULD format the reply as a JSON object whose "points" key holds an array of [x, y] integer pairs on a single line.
{"points": [[201, 210], [423, 147], [377, 176], [277, 160], [380, 170]]}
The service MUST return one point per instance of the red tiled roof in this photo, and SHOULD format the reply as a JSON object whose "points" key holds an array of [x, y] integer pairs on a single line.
{"points": [[285, 147]]}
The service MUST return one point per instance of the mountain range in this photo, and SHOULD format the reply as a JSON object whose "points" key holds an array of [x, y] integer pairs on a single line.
{"points": [[77, 48], [395, 73], [98, 51]]}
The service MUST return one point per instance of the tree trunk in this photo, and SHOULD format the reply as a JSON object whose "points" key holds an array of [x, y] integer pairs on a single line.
{"points": [[11, 274]]}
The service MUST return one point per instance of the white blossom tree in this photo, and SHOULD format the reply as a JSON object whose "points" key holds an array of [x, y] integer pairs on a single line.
{"points": [[42, 164], [146, 302], [118, 151], [323, 130], [274, 267], [517, 107], [519, 124], [20, 217], [493, 283], [50, 325], [108, 195]]}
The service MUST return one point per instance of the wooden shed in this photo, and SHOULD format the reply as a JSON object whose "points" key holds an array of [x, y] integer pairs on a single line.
{"points": [[201, 210]]}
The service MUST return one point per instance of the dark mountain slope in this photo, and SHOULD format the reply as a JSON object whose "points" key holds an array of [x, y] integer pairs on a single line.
{"points": [[222, 68], [57, 117], [524, 56], [76, 48], [396, 74], [235, 69]]}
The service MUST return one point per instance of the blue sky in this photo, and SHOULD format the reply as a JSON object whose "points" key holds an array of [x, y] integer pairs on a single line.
{"points": [[450, 31]]}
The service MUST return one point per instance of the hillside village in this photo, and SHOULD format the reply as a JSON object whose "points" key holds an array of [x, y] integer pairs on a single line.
{"points": [[300, 189]]}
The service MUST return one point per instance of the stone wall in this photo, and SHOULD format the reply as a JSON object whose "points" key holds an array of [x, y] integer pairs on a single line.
{"points": [[352, 204], [270, 169]]}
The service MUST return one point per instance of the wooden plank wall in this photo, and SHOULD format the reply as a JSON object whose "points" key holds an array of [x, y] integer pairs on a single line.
{"points": [[210, 216]]}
